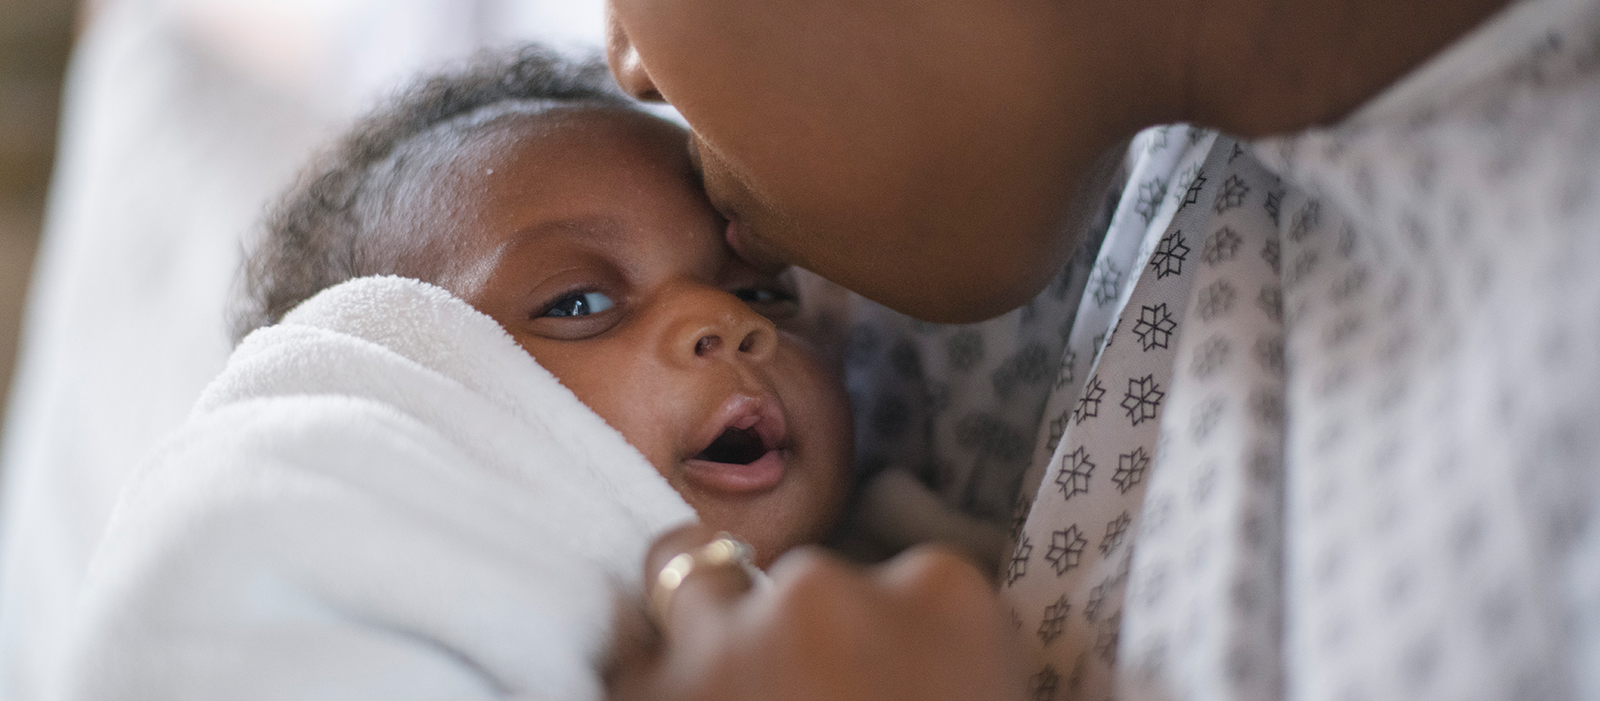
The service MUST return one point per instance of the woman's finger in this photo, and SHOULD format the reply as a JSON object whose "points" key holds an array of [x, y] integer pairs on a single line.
{"points": [[935, 578], [704, 596]]}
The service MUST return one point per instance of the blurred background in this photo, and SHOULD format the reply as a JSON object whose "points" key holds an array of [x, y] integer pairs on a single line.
{"points": [[35, 36]]}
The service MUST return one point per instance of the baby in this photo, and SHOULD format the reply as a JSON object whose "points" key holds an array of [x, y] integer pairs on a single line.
{"points": [[534, 192], [383, 496]]}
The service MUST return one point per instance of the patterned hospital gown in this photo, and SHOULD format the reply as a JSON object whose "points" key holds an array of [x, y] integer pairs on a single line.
{"points": [[1321, 414]]}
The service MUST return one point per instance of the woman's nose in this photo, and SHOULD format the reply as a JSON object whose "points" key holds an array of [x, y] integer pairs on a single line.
{"points": [[625, 64], [711, 324]]}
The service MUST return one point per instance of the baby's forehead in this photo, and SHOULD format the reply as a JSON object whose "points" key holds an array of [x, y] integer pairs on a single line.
{"points": [[502, 129], [432, 173], [489, 180]]}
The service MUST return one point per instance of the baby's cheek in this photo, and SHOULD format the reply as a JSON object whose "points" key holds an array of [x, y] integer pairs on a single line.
{"points": [[819, 402], [624, 395], [822, 392]]}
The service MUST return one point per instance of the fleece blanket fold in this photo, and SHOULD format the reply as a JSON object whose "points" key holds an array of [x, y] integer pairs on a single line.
{"points": [[382, 497]]}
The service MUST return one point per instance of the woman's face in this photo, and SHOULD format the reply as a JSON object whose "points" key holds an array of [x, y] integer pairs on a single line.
{"points": [[905, 150]]}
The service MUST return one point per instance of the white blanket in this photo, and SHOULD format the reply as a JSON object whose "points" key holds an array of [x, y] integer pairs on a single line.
{"points": [[381, 497]]}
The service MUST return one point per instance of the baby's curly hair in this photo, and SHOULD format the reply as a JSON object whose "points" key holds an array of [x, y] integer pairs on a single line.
{"points": [[319, 233]]}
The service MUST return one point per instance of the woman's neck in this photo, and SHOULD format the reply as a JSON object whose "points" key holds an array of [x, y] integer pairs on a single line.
{"points": [[1260, 67]]}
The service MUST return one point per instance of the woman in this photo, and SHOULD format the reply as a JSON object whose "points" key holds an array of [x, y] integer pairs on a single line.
{"points": [[926, 155]]}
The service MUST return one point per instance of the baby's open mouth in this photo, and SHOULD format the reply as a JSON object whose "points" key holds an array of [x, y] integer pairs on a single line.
{"points": [[737, 446], [748, 455]]}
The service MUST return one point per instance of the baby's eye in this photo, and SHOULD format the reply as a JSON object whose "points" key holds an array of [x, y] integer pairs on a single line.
{"points": [[756, 295], [774, 303], [582, 304]]}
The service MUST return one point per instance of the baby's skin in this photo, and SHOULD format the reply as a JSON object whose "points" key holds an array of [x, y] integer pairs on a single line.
{"points": [[586, 234]]}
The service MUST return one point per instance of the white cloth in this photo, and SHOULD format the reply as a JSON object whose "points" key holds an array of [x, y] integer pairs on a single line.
{"points": [[382, 497], [1430, 532], [1202, 607], [1069, 565], [1442, 538]]}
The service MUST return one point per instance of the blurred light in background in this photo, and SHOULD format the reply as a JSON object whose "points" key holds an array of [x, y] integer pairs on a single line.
{"points": [[35, 36]]}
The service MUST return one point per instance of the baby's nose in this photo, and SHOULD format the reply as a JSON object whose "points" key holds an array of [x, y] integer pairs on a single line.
{"points": [[751, 343], [715, 324]]}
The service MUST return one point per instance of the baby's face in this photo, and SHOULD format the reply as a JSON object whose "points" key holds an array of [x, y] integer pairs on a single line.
{"points": [[588, 237]]}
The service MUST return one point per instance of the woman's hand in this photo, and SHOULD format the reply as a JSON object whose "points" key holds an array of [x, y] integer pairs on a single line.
{"points": [[924, 626]]}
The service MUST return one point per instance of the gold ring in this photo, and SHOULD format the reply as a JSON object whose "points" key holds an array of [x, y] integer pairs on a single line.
{"points": [[722, 551]]}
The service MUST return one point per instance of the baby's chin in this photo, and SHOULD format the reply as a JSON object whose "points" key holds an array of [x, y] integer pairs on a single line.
{"points": [[773, 523]]}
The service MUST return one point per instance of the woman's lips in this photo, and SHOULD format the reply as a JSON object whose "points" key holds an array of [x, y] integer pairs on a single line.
{"points": [[735, 235], [731, 235]]}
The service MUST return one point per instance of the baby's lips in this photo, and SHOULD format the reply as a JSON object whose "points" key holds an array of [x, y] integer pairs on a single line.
{"points": [[769, 424], [760, 475], [764, 417], [743, 411]]}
